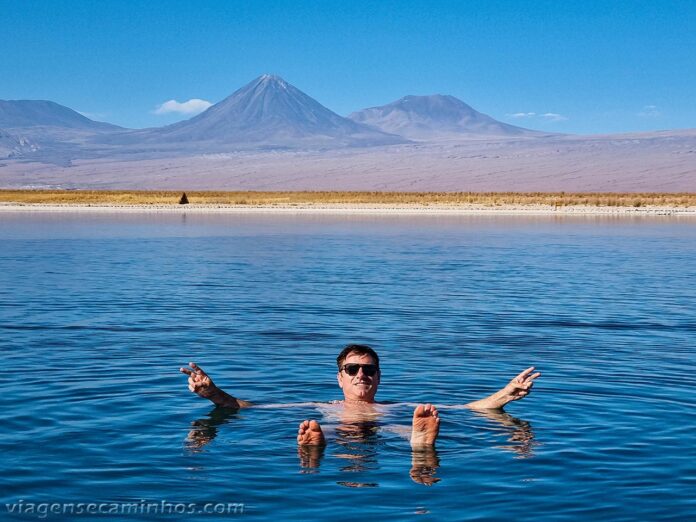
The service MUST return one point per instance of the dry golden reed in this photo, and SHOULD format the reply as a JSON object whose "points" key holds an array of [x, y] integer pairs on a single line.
{"points": [[487, 199]]}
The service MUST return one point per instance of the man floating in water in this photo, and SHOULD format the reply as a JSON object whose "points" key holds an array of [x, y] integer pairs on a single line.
{"points": [[359, 377]]}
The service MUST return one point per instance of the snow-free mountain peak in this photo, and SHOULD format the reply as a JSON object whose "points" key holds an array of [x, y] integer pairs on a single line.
{"points": [[435, 116]]}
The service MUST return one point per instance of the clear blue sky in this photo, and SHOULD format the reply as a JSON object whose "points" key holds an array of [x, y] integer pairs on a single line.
{"points": [[581, 66]]}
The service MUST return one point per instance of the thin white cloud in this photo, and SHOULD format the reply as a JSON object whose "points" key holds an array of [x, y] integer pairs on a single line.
{"points": [[553, 116], [522, 115], [546, 116], [650, 111], [193, 106]]}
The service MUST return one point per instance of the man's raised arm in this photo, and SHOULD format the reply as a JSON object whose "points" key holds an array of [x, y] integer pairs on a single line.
{"points": [[203, 386], [518, 388]]}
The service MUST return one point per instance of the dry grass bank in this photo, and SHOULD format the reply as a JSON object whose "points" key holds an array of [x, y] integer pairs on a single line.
{"points": [[488, 199]]}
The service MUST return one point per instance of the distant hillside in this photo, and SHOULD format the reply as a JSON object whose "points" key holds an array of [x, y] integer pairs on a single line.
{"points": [[436, 116], [12, 145], [34, 113]]}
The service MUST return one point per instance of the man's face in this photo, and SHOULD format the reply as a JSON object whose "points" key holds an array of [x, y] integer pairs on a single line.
{"points": [[358, 387]]}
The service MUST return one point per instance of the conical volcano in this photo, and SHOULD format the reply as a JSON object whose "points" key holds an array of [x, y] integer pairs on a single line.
{"points": [[435, 116], [269, 113]]}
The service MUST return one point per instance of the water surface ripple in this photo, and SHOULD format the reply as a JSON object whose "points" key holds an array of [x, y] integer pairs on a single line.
{"points": [[97, 313]]}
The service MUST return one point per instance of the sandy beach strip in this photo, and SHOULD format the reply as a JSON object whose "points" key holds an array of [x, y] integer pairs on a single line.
{"points": [[406, 209]]}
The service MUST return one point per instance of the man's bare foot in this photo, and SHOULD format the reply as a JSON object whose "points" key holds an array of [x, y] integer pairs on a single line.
{"points": [[426, 426], [310, 434]]}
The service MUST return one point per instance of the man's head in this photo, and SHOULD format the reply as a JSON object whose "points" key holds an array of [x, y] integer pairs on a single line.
{"points": [[358, 372]]}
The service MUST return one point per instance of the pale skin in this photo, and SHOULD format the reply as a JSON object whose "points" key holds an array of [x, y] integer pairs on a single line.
{"points": [[359, 401]]}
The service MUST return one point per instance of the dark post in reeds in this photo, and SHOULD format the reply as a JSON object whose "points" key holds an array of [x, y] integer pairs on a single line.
{"points": [[183, 200]]}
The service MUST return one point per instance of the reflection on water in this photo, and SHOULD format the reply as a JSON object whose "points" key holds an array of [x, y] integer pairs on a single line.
{"points": [[520, 434], [424, 464], [310, 458], [357, 442], [97, 313], [357, 445], [204, 430]]}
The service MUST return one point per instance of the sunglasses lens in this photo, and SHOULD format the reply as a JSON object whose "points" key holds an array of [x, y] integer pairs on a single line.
{"points": [[352, 369], [368, 369]]}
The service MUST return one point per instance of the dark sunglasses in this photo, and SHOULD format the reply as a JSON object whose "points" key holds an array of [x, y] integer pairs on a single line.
{"points": [[353, 368]]}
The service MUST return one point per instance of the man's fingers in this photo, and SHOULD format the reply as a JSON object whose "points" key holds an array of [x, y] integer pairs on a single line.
{"points": [[527, 375], [197, 369], [195, 378], [523, 375], [186, 371]]}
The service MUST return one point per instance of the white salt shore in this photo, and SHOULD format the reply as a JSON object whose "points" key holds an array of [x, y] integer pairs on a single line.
{"points": [[413, 209]]}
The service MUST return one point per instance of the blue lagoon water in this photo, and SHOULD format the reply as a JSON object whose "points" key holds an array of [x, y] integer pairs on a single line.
{"points": [[98, 312]]}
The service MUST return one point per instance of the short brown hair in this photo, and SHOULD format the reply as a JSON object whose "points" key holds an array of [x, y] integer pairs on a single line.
{"points": [[358, 349]]}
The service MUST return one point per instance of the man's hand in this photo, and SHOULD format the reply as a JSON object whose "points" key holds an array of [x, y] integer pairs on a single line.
{"points": [[203, 386], [199, 382], [518, 388]]}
